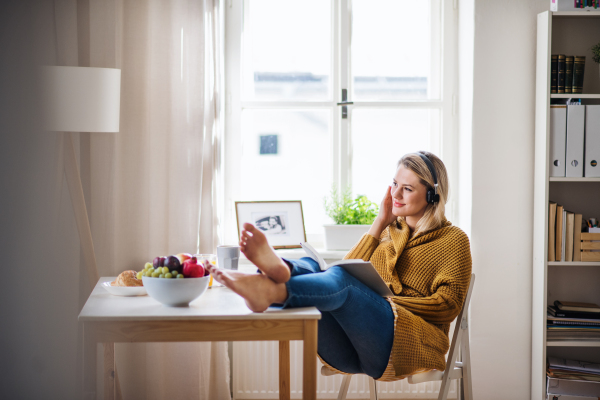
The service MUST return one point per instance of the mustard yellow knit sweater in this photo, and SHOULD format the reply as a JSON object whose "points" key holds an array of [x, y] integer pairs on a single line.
{"points": [[429, 275]]}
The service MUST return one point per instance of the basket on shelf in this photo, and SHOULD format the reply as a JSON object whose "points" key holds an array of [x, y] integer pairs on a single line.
{"points": [[590, 246]]}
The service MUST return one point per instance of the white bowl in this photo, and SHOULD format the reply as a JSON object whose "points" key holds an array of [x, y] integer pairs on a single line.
{"points": [[124, 290], [175, 292]]}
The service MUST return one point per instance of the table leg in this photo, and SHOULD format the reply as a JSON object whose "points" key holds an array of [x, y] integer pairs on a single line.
{"points": [[309, 362], [284, 370], [89, 365], [109, 371]]}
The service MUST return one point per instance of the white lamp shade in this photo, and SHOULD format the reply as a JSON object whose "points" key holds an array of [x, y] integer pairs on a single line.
{"points": [[81, 99]]}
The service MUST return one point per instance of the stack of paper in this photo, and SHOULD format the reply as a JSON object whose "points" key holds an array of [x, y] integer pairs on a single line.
{"points": [[572, 377]]}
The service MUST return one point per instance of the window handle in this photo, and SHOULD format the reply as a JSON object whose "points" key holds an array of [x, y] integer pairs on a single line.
{"points": [[344, 103]]}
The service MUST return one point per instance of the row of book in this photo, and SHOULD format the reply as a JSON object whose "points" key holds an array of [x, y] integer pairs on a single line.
{"points": [[574, 140], [566, 73], [572, 378], [573, 321], [567, 240], [574, 5]]}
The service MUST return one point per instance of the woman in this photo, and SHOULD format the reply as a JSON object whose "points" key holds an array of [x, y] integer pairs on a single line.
{"points": [[425, 261]]}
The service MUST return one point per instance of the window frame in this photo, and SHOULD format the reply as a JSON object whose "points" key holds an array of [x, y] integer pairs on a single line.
{"points": [[341, 144]]}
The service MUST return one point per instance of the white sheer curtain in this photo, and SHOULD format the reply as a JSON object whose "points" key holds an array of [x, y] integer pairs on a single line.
{"points": [[150, 186]]}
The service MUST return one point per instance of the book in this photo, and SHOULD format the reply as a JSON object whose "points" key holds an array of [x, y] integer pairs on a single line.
{"points": [[576, 306], [552, 231], [577, 237], [569, 74], [569, 236], [359, 269], [564, 236], [572, 323], [561, 73], [559, 229], [554, 73], [572, 314], [576, 320], [578, 71]]}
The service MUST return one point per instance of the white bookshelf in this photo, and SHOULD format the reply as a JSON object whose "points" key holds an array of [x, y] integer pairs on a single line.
{"points": [[570, 33]]}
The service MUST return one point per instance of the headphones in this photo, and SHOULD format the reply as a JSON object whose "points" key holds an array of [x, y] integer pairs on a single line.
{"points": [[432, 195]]}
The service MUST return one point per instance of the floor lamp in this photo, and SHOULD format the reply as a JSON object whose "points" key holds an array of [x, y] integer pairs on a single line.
{"points": [[82, 99]]}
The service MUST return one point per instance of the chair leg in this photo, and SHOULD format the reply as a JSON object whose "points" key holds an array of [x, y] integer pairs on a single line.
{"points": [[466, 369], [344, 387], [372, 388]]}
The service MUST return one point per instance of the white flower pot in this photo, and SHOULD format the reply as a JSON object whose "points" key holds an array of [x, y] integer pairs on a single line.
{"points": [[343, 237]]}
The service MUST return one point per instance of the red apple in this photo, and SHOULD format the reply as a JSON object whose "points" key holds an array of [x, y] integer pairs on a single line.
{"points": [[183, 257]]}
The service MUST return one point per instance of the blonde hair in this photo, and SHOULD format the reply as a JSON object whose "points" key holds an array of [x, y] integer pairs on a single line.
{"points": [[434, 213]]}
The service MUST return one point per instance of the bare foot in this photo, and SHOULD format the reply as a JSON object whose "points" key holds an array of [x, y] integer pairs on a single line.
{"points": [[256, 248], [258, 290]]}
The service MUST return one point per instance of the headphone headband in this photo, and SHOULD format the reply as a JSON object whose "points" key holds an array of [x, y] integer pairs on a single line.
{"points": [[432, 196]]}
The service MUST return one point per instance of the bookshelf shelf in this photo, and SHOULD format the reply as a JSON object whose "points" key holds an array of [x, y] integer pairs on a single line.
{"points": [[561, 33], [576, 13], [574, 96], [573, 343], [573, 264], [557, 179]]}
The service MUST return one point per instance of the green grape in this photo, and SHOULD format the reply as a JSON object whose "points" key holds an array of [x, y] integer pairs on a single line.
{"points": [[148, 265], [165, 270], [168, 275], [161, 275], [140, 274], [148, 273], [155, 274], [180, 276]]}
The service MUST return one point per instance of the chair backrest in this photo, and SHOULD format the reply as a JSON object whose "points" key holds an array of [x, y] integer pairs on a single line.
{"points": [[461, 322]]}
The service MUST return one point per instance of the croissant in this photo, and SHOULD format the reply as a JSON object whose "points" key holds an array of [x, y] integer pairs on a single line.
{"points": [[127, 278]]}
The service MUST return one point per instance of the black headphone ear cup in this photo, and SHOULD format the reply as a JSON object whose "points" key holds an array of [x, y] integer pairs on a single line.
{"points": [[430, 196]]}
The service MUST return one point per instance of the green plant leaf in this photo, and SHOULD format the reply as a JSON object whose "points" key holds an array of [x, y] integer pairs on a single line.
{"points": [[344, 210]]}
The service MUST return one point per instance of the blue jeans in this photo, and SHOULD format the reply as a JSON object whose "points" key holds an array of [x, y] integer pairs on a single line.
{"points": [[356, 330]]}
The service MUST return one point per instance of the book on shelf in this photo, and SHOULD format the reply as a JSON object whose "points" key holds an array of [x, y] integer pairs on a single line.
{"points": [[569, 74], [577, 237], [569, 236], [563, 255], [553, 311], [552, 231], [578, 71], [559, 229], [553, 318], [554, 73], [561, 73], [569, 335], [576, 306]]}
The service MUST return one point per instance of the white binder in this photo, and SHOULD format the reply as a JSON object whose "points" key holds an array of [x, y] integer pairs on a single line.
{"points": [[592, 142], [575, 132], [558, 139]]}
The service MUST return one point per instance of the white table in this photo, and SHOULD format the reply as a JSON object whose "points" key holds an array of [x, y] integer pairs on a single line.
{"points": [[218, 315]]}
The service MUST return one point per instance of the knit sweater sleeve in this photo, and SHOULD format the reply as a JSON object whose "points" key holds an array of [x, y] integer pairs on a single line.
{"points": [[448, 288], [363, 249]]}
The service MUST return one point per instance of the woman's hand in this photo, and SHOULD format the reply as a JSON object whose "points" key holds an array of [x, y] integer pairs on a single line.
{"points": [[385, 216]]}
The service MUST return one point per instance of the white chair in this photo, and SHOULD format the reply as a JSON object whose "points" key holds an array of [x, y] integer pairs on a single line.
{"points": [[454, 369]]}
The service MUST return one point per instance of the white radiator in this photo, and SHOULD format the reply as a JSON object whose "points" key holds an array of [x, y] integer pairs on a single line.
{"points": [[256, 376]]}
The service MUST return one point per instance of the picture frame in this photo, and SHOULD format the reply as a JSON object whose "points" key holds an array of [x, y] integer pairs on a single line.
{"points": [[282, 222]]}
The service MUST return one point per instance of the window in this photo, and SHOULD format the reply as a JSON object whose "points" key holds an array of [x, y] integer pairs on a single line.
{"points": [[289, 64]]}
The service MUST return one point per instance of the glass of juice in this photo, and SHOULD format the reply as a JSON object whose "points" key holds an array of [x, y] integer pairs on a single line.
{"points": [[212, 258]]}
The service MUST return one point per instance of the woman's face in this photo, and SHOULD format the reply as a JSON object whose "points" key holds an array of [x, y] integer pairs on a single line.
{"points": [[408, 194]]}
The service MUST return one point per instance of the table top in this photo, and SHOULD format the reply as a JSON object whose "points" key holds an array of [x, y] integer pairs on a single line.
{"points": [[217, 303]]}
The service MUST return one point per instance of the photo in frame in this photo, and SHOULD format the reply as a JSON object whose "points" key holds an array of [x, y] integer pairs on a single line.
{"points": [[282, 222]]}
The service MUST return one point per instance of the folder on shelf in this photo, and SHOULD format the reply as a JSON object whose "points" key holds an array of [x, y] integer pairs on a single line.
{"points": [[577, 237], [558, 139], [592, 141], [575, 132], [569, 236], [552, 232], [558, 234]]}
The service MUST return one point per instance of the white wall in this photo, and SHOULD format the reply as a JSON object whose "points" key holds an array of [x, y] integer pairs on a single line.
{"points": [[502, 196]]}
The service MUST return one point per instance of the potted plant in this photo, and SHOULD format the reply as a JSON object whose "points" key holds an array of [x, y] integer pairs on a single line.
{"points": [[352, 218], [596, 53]]}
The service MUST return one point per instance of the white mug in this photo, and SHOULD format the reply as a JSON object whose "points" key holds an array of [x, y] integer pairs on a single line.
{"points": [[228, 256]]}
